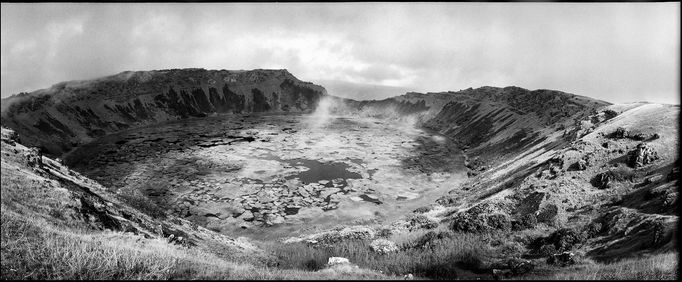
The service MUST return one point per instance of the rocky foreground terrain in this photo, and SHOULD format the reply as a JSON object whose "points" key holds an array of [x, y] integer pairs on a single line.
{"points": [[273, 178]]}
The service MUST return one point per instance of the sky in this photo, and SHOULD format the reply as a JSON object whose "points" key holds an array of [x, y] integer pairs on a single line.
{"points": [[617, 52]]}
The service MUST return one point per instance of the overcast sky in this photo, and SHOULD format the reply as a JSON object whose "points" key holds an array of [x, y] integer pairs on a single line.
{"points": [[618, 52]]}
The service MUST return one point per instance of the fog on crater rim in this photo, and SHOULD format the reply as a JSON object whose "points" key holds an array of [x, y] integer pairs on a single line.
{"points": [[618, 52]]}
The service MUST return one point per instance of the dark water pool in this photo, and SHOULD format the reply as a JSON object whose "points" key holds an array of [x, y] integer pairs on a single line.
{"points": [[318, 170], [322, 171]]}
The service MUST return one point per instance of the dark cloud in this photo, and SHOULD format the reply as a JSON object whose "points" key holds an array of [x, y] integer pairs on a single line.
{"points": [[619, 52]]}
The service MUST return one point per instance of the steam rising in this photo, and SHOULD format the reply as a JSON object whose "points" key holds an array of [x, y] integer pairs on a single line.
{"points": [[330, 108], [323, 113]]}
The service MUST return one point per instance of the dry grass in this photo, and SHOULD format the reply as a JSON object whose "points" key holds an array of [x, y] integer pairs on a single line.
{"points": [[657, 267], [445, 258], [32, 248]]}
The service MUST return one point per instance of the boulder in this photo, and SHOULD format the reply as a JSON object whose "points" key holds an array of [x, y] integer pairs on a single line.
{"points": [[602, 180], [327, 192], [34, 158], [9, 136], [579, 165], [337, 260], [303, 192], [641, 156], [335, 198], [383, 246], [276, 219]]}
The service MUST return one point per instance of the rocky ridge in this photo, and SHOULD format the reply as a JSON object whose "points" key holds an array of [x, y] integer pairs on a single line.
{"points": [[72, 113]]}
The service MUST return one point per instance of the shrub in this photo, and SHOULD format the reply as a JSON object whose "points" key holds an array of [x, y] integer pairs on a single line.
{"points": [[592, 229], [428, 238], [383, 246], [499, 221], [385, 232], [526, 221], [548, 214], [422, 209], [529, 220], [564, 239], [466, 222], [448, 200], [421, 221], [609, 114], [547, 250]]}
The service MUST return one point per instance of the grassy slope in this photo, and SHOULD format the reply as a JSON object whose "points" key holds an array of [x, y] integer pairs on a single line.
{"points": [[35, 249]]}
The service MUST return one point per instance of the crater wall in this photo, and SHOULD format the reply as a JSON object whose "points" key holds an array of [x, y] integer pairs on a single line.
{"points": [[69, 114]]}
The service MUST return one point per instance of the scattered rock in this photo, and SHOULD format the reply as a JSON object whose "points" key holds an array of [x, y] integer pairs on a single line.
{"points": [[247, 216], [303, 192], [326, 192]]}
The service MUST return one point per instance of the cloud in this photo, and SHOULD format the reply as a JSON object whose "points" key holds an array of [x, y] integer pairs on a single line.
{"points": [[615, 52]]}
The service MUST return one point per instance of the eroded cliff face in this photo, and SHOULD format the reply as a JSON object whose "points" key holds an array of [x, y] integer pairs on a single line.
{"points": [[495, 123], [72, 113]]}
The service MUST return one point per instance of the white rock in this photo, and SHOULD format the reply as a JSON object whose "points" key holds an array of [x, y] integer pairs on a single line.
{"points": [[337, 260]]}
